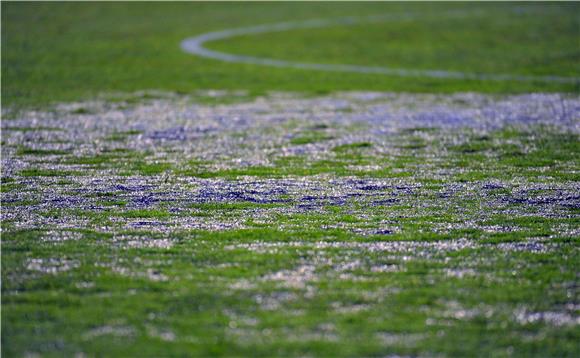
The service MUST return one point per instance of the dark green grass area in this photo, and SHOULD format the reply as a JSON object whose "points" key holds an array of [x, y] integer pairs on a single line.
{"points": [[40, 152], [35, 172], [55, 52], [538, 41]]}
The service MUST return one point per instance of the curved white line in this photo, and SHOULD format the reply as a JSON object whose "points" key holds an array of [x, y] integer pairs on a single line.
{"points": [[195, 46]]}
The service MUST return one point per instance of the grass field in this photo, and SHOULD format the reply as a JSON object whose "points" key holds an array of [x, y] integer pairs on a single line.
{"points": [[50, 55], [155, 203]]}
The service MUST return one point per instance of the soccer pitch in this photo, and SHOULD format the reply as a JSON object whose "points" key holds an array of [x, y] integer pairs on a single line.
{"points": [[290, 179]]}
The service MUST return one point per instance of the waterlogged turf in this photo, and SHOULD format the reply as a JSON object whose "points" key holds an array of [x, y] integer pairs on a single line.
{"points": [[352, 224], [54, 52]]}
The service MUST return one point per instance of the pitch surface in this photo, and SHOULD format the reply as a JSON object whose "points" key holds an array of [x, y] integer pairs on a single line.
{"points": [[349, 224]]}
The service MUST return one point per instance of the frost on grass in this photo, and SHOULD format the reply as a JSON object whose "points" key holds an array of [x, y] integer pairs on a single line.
{"points": [[396, 220], [51, 265]]}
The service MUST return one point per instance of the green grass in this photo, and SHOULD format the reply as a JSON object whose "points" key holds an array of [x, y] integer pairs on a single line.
{"points": [[540, 42], [128, 161], [309, 138], [41, 152], [501, 154], [54, 52], [352, 147], [35, 172], [114, 262], [137, 310]]}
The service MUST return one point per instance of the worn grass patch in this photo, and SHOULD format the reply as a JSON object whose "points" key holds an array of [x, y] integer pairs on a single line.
{"points": [[264, 230]]}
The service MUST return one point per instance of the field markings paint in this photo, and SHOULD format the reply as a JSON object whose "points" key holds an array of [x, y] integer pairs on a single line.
{"points": [[195, 46]]}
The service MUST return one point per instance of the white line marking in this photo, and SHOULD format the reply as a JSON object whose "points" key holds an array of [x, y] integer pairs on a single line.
{"points": [[195, 46]]}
